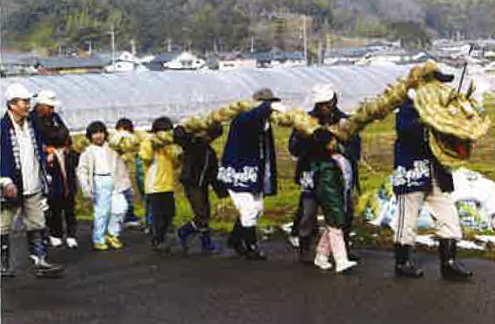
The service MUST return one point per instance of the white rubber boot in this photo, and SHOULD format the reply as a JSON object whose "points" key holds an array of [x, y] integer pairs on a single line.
{"points": [[321, 261], [342, 263]]}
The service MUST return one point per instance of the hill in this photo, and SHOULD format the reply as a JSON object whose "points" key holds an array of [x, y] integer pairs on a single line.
{"points": [[234, 25]]}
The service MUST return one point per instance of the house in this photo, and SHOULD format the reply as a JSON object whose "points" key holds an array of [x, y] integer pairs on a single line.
{"points": [[159, 62], [186, 61], [344, 56], [278, 59], [286, 59], [400, 56], [381, 45], [123, 61], [70, 65], [177, 61], [231, 61], [17, 64], [122, 56]]}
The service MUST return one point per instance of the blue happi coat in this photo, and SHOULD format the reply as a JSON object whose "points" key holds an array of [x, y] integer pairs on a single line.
{"points": [[248, 162], [414, 163], [10, 166]]}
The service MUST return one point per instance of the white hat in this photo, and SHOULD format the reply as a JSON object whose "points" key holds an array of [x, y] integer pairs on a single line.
{"points": [[17, 90], [322, 92], [47, 97]]}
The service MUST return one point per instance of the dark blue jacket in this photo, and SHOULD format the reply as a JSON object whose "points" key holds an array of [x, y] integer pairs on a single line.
{"points": [[300, 147], [414, 163], [249, 149], [199, 163], [8, 166], [57, 188], [46, 124]]}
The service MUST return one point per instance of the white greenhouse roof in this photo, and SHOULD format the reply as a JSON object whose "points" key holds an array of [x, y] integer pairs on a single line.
{"points": [[144, 96]]}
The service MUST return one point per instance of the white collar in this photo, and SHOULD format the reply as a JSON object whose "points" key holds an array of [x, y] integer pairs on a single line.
{"points": [[18, 128]]}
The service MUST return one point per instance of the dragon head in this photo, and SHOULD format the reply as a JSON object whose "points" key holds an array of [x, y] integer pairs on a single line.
{"points": [[455, 120]]}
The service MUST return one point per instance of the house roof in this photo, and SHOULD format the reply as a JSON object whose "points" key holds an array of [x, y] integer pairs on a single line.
{"points": [[53, 62], [348, 52], [73, 62], [18, 59], [166, 57], [277, 56]]}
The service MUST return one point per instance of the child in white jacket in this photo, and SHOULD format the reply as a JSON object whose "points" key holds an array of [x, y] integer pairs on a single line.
{"points": [[104, 177]]}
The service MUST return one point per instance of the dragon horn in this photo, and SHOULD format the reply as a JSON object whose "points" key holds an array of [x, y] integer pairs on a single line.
{"points": [[450, 98], [470, 90]]}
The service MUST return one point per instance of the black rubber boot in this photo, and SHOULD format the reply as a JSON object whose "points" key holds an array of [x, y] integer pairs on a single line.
{"points": [[305, 256], [404, 265], [207, 244], [450, 268], [184, 232], [7, 270], [351, 254], [38, 248], [160, 246], [253, 251], [236, 239]]}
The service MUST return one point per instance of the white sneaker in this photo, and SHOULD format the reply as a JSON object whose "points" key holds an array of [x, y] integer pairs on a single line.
{"points": [[55, 241], [345, 265], [133, 224], [321, 261], [294, 241], [71, 242]]}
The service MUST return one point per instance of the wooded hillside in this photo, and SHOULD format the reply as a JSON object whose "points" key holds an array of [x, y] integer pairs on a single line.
{"points": [[233, 25]]}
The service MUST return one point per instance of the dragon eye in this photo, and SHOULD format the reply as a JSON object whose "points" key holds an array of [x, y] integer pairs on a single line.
{"points": [[453, 110], [468, 109]]}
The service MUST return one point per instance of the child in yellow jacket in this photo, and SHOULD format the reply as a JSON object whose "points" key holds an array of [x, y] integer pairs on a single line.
{"points": [[159, 183]]}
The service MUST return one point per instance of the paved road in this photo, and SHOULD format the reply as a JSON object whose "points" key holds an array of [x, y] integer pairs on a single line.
{"points": [[137, 286]]}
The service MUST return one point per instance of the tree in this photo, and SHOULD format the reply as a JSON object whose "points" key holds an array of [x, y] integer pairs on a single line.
{"points": [[411, 34]]}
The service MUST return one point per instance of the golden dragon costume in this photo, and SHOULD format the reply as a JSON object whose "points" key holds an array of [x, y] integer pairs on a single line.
{"points": [[456, 120]]}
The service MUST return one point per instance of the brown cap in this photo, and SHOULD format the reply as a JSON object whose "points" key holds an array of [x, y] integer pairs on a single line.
{"points": [[265, 94], [443, 77]]}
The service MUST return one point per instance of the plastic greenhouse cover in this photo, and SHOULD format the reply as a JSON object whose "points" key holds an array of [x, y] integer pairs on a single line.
{"points": [[143, 96]]}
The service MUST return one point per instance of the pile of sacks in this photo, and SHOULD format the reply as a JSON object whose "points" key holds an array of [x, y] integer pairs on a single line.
{"points": [[474, 198]]}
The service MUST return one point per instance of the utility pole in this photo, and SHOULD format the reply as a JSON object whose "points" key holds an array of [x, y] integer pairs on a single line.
{"points": [[90, 47], [133, 47], [305, 40], [1, 37], [112, 34]]}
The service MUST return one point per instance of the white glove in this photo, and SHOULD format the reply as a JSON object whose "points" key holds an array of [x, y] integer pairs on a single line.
{"points": [[44, 204], [411, 93], [278, 106]]}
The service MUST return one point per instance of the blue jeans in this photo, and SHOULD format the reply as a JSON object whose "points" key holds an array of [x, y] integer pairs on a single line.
{"points": [[118, 211], [147, 211], [129, 197], [102, 202]]}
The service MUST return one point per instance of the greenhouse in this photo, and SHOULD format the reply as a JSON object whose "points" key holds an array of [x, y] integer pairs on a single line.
{"points": [[142, 96]]}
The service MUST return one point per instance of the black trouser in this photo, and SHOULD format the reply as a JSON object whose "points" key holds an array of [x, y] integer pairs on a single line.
{"points": [[162, 206], [200, 204], [61, 209], [297, 217], [307, 224]]}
